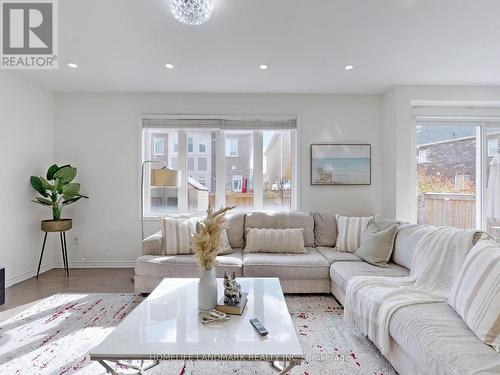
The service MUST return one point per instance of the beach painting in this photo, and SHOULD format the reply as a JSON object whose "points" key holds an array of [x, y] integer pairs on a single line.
{"points": [[340, 164]]}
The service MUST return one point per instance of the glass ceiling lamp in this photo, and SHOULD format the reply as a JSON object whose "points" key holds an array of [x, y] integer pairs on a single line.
{"points": [[192, 12]]}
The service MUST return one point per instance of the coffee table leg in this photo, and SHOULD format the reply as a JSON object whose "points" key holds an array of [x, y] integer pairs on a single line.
{"points": [[283, 369], [140, 369]]}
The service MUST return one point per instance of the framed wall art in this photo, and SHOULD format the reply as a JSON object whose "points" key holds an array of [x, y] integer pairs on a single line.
{"points": [[340, 164]]}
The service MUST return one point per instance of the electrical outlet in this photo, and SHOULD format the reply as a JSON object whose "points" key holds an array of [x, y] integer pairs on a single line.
{"points": [[76, 241]]}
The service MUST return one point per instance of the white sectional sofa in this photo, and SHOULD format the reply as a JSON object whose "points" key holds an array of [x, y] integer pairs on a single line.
{"points": [[426, 339]]}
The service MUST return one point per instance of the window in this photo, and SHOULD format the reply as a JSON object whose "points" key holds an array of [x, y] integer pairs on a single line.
{"points": [[159, 200], [492, 147], [158, 146], [239, 168], [232, 147], [249, 164], [202, 164], [277, 170], [452, 188], [237, 184], [423, 155]]}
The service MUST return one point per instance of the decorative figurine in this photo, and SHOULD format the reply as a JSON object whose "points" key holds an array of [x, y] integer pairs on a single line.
{"points": [[232, 289]]}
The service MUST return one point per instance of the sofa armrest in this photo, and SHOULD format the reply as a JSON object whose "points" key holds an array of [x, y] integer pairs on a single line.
{"points": [[153, 245]]}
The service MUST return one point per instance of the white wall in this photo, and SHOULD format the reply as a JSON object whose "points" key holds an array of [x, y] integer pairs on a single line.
{"points": [[26, 148], [99, 133], [399, 138]]}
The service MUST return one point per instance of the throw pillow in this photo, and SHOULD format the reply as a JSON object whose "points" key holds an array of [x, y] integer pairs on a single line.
{"points": [[225, 247], [325, 229], [376, 246], [475, 295], [177, 232], [351, 230], [289, 240], [379, 223]]}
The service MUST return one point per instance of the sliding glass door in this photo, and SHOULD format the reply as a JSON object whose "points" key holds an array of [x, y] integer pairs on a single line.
{"points": [[455, 165]]}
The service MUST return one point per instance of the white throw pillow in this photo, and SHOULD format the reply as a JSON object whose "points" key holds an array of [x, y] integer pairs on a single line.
{"points": [[225, 247], [290, 240], [177, 232], [351, 230], [475, 295]]}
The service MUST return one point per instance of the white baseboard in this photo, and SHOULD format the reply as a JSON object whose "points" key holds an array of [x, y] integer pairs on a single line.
{"points": [[28, 274], [77, 264], [97, 264]]}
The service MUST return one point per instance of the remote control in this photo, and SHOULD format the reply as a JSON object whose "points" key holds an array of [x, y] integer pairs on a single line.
{"points": [[259, 327]]}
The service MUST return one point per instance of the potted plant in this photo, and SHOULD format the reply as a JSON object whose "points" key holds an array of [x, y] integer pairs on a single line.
{"points": [[206, 244], [57, 191]]}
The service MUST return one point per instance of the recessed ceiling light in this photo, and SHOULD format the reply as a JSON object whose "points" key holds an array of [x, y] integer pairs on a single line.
{"points": [[72, 65], [349, 67], [169, 66], [263, 67]]}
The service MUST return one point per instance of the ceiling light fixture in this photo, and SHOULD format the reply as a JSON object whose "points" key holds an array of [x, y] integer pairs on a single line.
{"points": [[169, 66], [263, 67], [72, 65], [349, 67], [192, 12]]}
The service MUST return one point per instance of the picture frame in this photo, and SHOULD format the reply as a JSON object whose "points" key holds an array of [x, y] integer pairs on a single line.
{"points": [[341, 164]]}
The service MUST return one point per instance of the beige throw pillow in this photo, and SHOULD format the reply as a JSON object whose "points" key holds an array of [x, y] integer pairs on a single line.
{"points": [[475, 295], [376, 246], [289, 240], [177, 232], [351, 230], [225, 247]]}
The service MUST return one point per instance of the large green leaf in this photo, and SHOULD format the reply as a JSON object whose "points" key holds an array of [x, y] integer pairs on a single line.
{"points": [[43, 201], [72, 200], [70, 190], [38, 186], [46, 184], [50, 172], [66, 174]]}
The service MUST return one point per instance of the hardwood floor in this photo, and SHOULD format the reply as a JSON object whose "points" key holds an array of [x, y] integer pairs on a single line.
{"points": [[83, 280]]}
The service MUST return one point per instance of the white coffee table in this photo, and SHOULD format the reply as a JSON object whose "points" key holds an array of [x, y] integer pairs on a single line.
{"points": [[165, 326]]}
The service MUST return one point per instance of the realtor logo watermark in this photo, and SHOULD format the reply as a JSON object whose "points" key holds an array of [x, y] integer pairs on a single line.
{"points": [[29, 34]]}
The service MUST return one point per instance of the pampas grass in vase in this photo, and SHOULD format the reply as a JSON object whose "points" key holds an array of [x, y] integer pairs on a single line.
{"points": [[206, 244]]}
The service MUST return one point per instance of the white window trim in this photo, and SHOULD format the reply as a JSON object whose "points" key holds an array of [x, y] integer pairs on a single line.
{"points": [[234, 179]]}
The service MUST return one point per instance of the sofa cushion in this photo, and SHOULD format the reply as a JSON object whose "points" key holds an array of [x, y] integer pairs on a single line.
{"points": [[475, 295], [177, 232], [236, 229], [325, 229], [351, 230], [185, 265], [341, 272], [153, 245], [406, 240], [439, 342], [333, 255], [290, 240], [283, 220], [376, 247], [286, 266]]}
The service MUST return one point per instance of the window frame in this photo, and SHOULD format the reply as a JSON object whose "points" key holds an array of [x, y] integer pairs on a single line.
{"points": [[227, 149], [481, 157], [218, 148]]}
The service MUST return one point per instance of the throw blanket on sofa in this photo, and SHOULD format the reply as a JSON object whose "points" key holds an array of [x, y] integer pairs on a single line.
{"points": [[371, 300]]}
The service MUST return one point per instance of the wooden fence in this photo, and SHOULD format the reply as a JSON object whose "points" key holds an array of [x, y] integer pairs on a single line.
{"points": [[457, 210], [245, 200]]}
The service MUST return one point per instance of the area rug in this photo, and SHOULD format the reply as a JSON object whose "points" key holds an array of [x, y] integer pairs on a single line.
{"points": [[55, 335]]}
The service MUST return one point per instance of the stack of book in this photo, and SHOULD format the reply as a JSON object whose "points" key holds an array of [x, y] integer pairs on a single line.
{"points": [[233, 308]]}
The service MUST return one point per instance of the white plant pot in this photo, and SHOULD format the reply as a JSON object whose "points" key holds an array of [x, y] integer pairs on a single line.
{"points": [[207, 290]]}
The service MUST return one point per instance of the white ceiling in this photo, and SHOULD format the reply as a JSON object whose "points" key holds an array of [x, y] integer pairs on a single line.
{"points": [[122, 45]]}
